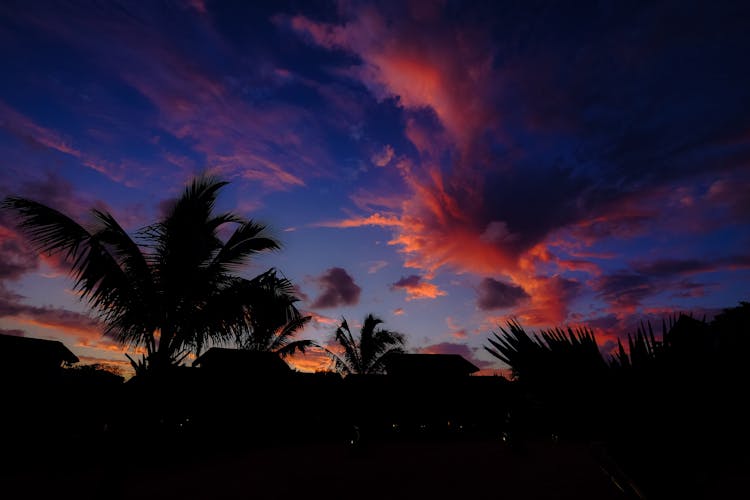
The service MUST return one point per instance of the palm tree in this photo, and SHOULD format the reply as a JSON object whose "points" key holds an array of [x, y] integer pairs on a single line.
{"points": [[174, 288], [366, 355], [543, 358], [275, 319]]}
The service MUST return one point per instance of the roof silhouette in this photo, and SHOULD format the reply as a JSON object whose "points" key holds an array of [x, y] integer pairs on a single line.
{"points": [[428, 365], [33, 354], [219, 359]]}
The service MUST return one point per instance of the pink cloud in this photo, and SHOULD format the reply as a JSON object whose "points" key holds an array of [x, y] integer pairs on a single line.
{"points": [[382, 157], [437, 68], [275, 144], [24, 128]]}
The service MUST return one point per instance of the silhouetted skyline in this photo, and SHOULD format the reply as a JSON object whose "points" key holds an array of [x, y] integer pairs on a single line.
{"points": [[442, 165]]}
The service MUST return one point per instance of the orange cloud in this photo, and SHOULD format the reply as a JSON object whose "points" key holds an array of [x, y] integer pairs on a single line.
{"points": [[313, 360], [321, 319], [372, 220], [417, 288]]}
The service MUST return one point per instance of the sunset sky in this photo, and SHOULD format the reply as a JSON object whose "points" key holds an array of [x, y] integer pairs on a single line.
{"points": [[443, 165]]}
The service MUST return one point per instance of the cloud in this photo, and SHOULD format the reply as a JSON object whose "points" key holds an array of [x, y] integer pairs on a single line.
{"points": [[14, 332], [372, 220], [314, 360], [520, 147], [625, 290], [493, 294], [456, 331], [383, 157], [376, 266], [24, 128], [15, 258], [205, 105], [337, 288], [417, 288], [684, 267], [66, 321], [319, 319], [399, 311]]}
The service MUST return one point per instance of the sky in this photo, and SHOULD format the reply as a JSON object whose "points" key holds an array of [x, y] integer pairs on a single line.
{"points": [[446, 166]]}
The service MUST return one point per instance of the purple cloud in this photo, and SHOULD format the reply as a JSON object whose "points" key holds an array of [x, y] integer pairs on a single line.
{"points": [[494, 294], [14, 332], [337, 289]]}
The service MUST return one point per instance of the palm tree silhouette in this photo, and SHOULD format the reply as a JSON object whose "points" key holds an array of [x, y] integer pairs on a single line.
{"points": [[174, 288], [544, 357], [275, 319], [366, 355]]}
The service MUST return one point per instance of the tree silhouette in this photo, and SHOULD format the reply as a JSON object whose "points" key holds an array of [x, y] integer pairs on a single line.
{"points": [[366, 354], [540, 358], [275, 319], [174, 288]]}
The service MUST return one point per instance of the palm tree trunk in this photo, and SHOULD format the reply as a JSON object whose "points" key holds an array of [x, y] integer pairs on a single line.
{"points": [[162, 354]]}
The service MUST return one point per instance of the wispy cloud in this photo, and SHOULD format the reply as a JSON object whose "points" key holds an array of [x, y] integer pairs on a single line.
{"points": [[515, 157]]}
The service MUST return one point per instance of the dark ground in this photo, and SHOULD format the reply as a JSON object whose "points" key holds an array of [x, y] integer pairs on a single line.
{"points": [[395, 470]]}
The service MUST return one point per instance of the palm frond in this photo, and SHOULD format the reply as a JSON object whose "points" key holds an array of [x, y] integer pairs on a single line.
{"points": [[176, 281], [300, 346], [365, 355], [283, 335], [247, 240]]}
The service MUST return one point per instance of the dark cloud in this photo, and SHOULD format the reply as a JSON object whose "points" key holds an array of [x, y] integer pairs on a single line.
{"points": [[411, 281], [54, 191], [337, 288], [629, 288], [73, 322], [13, 332], [16, 256], [687, 289], [606, 322], [681, 267], [493, 294], [625, 289]]}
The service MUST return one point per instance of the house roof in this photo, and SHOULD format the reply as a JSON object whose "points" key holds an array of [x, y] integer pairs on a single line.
{"points": [[222, 359], [430, 365], [27, 350]]}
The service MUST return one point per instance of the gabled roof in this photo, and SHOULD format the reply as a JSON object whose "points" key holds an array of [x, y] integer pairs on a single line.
{"points": [[428, 365], [32, 351], [220, 359]]}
